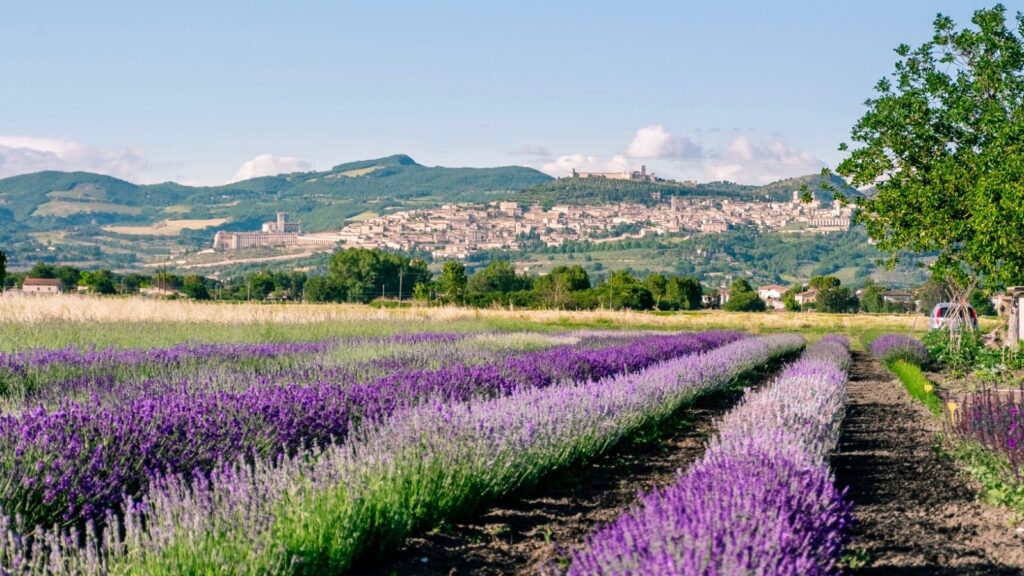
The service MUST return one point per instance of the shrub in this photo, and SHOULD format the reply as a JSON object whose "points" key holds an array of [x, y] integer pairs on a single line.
{"points": [[891, 348]]}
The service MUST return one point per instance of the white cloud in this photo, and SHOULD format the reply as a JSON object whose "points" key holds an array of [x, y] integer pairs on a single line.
{"points": [[751, 161], [564, 165], [653, 142], [270, 165], [741, 158], [25, 154]]}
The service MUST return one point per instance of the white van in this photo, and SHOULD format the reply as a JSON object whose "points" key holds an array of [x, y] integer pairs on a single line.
{"points": [[940, 316]]}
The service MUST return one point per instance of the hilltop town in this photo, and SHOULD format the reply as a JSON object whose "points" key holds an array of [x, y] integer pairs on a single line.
{"points": [[458, 230]]}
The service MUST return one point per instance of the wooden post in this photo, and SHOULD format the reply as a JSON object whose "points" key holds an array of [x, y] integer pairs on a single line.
{"points": [[1013, 320]]}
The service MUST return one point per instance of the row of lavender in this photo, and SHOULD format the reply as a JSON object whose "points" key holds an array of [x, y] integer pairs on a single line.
{"points": [[429, 462], [26, 374], [761, 501], [74, 463], [56, 377]]}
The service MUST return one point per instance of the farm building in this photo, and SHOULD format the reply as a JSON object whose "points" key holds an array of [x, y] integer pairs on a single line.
{"points": [[771, 292], [807, 297], [42, 286]]}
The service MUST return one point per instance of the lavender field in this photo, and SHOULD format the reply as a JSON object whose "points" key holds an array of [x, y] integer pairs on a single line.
{"points": [[352, 450]]}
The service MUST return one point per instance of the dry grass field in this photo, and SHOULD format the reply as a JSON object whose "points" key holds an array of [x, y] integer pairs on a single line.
{"points": [[101, 321], [24, 309]]}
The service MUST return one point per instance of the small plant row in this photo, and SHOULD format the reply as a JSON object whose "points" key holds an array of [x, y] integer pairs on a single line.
{"points": [[988, 426], [428, 463], [761, 501], [75, 463], [905, 356]]}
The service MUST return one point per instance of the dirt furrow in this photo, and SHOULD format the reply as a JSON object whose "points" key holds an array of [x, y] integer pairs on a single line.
{"points": [[916, 513], [527, 535]]}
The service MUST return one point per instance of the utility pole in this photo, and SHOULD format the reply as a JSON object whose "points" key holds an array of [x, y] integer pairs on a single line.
{"points": [[382, 291], [400, 271]]}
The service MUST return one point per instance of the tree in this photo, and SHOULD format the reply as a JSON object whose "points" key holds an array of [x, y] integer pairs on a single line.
{"points": [[789, 298], [322, 289], [744, 302], [69, 275], [942, 142], [451, 286], [743, 298], [42, 270], [195, 288], [3, 269], [498, 277], [366, 274], [625, 291], [557, 289], [832, 296], [98, 281], [871, 298], [740, 285], [836, 299], [657, 285], [933, 292], [261, 284], [789, 301], [824, 282], [685, 292], [132, 282], [982, 303]]}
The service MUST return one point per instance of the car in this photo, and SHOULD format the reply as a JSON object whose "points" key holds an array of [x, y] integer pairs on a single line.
{"points": [[941, 316]]}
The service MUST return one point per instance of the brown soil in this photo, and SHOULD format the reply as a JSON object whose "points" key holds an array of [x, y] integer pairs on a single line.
{"points": [[531, 534], [916, 513]]}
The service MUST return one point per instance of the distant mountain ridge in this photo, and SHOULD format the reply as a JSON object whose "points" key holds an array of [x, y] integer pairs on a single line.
{"points": [[90, 218]]}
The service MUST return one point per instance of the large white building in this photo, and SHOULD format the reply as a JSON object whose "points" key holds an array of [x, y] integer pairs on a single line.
{"points": [[280, 232]]}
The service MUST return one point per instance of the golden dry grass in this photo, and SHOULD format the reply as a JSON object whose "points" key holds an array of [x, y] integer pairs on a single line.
{"points": [[25, 309]]}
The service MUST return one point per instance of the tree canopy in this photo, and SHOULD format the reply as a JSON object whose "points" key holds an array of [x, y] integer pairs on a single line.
{"points": [[743, 298], [943, 144], [360, 275]]}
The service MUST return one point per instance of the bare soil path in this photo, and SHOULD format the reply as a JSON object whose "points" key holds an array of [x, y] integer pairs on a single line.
{"points": [[916, 513], [528, 534]]}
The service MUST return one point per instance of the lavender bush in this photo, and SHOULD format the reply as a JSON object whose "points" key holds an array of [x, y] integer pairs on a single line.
{"points": [[994, 419], [892, 347], [761, 501], [429, 462]]}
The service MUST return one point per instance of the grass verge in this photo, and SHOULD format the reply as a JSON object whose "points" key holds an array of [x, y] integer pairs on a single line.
{"points": [[917, 385]]}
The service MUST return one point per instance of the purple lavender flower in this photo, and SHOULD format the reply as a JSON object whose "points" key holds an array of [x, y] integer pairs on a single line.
{"points": [[892, 347], [761, 501], [77, 461]]}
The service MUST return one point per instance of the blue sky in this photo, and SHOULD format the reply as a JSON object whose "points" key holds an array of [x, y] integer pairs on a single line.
{"points": [[204, 92]]}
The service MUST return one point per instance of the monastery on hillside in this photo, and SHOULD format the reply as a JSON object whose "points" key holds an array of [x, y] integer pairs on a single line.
{"points": [[640, 175], [277, 233]]}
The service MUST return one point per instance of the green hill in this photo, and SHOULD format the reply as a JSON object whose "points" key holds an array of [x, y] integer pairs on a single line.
{"points": [[87, 218], [91, 220]]}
